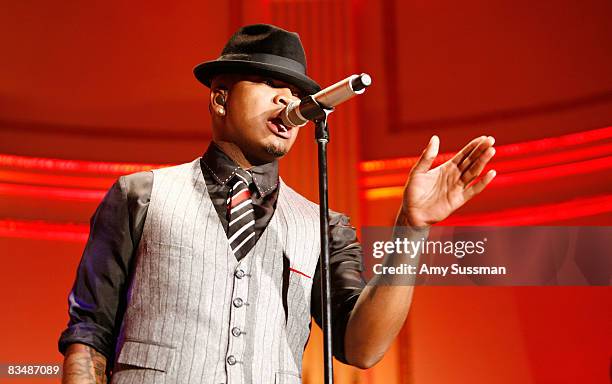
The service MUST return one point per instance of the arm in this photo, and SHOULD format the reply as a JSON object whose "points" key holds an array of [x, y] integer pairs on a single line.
{"points": [[429, 197], [98, 297], [382, 308], [84, 365], [347, 282]]}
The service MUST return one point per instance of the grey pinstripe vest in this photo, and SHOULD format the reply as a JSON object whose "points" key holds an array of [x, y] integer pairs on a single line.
{"points": [[197, 315]]}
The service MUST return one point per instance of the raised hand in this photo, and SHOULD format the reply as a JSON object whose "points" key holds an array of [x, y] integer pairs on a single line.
{"points": [[431, 195]]}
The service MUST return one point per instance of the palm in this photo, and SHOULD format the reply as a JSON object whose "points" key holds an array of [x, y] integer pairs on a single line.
{"points": [[431, 195]]}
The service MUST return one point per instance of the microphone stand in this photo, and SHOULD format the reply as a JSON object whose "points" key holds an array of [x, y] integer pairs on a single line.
{"points": [[313, 111], [322, 137], [317, 111]]}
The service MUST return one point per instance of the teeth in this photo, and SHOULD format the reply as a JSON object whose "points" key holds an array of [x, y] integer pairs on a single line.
{"points": [[280, 127]]}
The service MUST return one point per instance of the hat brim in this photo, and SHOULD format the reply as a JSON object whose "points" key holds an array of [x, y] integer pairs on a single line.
{"points": [[206, 71]]}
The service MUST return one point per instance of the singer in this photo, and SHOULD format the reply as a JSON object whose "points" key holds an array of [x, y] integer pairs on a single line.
{"points": [[207, 272]]}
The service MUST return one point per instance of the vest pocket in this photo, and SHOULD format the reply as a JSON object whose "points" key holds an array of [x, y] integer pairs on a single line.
{"points": [[174, 251], [146, 355], [285, 377]]}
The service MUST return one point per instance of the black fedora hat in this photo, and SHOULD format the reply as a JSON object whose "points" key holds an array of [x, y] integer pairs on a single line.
{"points": [[261, 49]]}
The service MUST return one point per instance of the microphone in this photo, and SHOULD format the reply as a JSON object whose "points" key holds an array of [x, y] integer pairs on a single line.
{"points": [[328, 98]]}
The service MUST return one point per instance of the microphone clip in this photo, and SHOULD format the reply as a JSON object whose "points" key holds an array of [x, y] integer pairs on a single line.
{"points": [[313, 111]]}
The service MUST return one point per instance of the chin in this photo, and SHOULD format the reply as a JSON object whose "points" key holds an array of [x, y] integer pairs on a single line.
{"points": [[276, 151]]}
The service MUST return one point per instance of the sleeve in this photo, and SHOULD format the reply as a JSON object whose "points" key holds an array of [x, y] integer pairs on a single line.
{"points": [[346, 279], [97, 299]]}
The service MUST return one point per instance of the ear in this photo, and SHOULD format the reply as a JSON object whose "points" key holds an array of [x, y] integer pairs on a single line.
{"points": [[218, 97]]}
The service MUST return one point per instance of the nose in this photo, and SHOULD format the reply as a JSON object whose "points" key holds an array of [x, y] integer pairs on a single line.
{"points": [[281, 99], [283, 96]]}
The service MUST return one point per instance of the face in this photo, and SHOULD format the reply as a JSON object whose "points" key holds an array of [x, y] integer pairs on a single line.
{"points": [[251, 120]]}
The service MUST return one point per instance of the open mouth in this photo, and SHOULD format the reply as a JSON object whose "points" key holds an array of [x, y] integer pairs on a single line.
{"points": [[278, 128]]}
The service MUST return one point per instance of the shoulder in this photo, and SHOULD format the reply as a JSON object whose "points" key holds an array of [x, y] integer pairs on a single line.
{"points": [[173, 173], [294, 197], [137, 184], [142, 181], [335, 218]]}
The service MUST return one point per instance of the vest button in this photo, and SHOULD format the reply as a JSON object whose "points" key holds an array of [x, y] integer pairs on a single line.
{"points": [[238, 302], [239, 273], [236, 331], [231, 360]]}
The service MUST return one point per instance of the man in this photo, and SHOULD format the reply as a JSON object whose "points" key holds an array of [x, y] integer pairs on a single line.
{"points": [[207, 272]]}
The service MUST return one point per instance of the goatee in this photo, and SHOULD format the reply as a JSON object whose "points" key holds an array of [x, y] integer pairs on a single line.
{"points": [[275, 151]]}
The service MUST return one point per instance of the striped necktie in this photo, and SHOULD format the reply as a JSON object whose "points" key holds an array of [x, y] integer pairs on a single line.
{"points": [[240, 214]]}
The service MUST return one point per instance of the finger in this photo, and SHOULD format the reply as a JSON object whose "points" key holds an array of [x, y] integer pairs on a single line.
{"points": [[428, 156], [482, 146], [477, 166], [465, 151], [478, 186]]}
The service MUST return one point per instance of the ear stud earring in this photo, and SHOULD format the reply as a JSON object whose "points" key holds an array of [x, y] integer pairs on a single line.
{"points": [[221, 111]]}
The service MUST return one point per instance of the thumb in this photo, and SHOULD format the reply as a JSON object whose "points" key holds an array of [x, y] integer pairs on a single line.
{"points": [[428, 156]]}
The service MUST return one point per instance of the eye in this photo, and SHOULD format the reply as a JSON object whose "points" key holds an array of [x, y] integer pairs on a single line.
{"points": [[269, 82]]}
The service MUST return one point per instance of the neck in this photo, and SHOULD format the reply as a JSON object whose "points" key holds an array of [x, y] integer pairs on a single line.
{"points": [[234, 153]]}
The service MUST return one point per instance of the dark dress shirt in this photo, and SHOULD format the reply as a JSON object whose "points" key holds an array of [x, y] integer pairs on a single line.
{"points": [[99, 295]]}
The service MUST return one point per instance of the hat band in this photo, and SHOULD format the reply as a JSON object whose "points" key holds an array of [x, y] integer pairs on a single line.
{"points": [[266, 58]]}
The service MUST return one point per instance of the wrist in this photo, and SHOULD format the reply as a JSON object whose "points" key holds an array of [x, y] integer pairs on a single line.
{"points": [[410, 218]]}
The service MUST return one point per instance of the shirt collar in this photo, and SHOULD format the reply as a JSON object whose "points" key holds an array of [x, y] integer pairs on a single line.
{"points": [[222, 168]]}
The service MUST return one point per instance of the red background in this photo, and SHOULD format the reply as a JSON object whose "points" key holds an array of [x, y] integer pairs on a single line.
{"points": [[112, 82]]}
